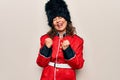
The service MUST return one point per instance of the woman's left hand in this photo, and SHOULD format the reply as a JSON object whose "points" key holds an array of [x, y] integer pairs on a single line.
{"points": [[65, 44]]}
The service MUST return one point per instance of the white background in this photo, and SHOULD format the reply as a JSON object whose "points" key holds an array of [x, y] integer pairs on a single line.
{"points": [[22, 22]]}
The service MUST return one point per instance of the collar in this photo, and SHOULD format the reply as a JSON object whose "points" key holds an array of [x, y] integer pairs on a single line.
{"points": [[63, 34]]}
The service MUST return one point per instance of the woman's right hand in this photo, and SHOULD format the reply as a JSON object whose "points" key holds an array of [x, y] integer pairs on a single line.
{"points": [[48, 42]]}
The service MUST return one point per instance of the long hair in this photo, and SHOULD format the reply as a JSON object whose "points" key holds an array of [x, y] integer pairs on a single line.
{"points": [[70, 30]]}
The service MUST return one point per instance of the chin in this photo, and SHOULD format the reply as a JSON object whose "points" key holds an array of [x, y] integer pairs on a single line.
{"points": [[60, 30]]}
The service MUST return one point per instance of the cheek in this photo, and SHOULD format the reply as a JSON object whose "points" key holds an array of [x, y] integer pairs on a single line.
{"points": [[54, 23], [65, 23]]}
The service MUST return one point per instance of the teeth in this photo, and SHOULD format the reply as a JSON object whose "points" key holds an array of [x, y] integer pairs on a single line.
{"points": [[59, 24]]}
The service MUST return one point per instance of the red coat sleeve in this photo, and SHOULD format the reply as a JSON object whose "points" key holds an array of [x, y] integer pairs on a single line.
{"points": [[77, 61], [41, 59]]}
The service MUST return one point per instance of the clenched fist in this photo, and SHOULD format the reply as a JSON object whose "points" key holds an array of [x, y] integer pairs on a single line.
{"points": [[48, 42], [65, 44]]}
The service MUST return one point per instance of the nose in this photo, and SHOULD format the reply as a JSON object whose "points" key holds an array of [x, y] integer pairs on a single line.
{"points": [[57, 19]]}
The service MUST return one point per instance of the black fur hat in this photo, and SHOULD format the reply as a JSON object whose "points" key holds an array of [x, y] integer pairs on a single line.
{"points": [[56, 8]]}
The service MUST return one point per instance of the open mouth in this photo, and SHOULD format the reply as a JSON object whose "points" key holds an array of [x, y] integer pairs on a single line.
{"points": [[60, 24]]}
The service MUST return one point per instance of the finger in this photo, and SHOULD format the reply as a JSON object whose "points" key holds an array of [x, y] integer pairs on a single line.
{"points": [[66, 42]]}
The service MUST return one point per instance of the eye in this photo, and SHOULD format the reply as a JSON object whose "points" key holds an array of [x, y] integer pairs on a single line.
{"points": [[54, 19]]}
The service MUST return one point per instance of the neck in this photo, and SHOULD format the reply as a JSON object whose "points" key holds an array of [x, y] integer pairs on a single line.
{"points": [[61, 34]]}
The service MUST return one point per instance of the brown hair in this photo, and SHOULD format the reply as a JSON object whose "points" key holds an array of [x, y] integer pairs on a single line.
{"points": [[70, 30]]}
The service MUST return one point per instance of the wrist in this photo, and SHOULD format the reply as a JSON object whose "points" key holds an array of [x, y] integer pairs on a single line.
{"points": [[49, 46]]}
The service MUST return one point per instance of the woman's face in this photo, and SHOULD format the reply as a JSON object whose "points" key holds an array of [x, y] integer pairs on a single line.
{"points": [[60, 24]]}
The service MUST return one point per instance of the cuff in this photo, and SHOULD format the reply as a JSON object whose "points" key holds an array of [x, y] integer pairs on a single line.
{"points": [[68, 53], [45, 51]]}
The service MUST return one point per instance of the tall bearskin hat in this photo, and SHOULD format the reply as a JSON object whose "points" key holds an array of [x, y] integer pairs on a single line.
{"points": [[56, 8]]}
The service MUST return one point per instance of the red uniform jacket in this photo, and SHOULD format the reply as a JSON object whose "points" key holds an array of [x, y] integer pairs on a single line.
{"points": [[72, 56]]}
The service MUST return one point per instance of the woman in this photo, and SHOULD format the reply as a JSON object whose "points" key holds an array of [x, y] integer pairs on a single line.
{"points": [[61, 49]]}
